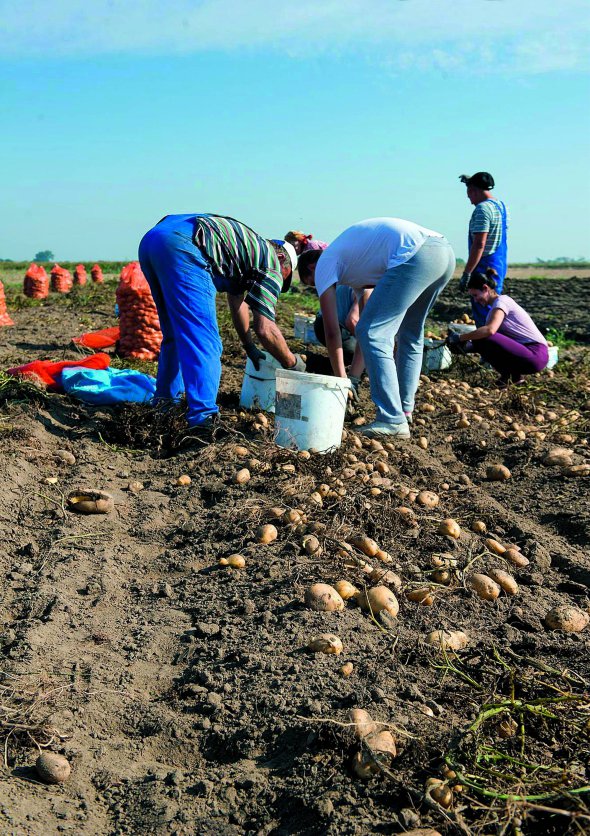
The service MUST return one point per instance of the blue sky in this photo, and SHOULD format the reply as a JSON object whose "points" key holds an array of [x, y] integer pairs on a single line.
{"points": [[310, 115]]}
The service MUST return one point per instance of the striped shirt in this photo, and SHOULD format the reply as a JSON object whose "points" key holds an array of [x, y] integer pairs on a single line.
{"points": [[248, 262], [487, 217]]}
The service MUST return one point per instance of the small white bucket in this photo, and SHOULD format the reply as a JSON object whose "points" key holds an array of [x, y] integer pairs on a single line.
{"points": [[303, 329], [259, 387], [310, 410], [436, 356], [553, 356]]}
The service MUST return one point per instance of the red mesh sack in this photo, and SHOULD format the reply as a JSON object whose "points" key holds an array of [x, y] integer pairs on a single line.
{"points": [[99, 339], [61, 279], [36, 283], [96, 273], [138, 317], [4, 318], [80, 276]]}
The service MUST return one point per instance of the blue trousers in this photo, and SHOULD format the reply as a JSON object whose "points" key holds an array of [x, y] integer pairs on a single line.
{"points": [[398, 307], [184, 293]]}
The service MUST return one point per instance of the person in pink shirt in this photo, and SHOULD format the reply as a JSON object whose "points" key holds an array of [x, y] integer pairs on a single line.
{"points": [[303, 242], [509, 341]]}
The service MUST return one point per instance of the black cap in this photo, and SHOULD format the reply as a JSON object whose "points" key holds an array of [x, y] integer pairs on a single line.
{"points": [[481, 180]]}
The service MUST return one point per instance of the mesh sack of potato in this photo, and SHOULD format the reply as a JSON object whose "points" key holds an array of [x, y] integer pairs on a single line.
{"points": [[138, 317], [80, 275], [96, 273], [4, 317], [36, 282], [61, 279]]}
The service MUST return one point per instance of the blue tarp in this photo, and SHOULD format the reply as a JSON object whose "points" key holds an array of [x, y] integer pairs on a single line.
{"points": [[108, 386]]}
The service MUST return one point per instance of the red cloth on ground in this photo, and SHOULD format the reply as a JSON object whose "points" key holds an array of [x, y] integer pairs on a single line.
{"points": [[48, 372], [99, 339]]}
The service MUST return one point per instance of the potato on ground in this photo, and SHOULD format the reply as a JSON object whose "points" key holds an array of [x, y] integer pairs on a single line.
{"points": [[323, 598], [567, 618]]}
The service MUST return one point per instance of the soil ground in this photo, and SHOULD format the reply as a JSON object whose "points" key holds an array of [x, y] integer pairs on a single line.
{"points": [[183, 693]]}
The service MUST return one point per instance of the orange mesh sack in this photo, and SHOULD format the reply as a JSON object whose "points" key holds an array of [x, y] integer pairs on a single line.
{"points": [[4, 318], [36, 283], [96, 273], [80, 276], [138, 318], [61, 279]]}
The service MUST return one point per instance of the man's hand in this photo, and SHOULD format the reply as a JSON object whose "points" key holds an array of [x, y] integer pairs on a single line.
{"points": [[464, 280], [353, 392], [455, 344], [255, 355], [299, 364]]}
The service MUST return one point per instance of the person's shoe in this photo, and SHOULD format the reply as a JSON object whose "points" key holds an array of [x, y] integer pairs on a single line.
{"points": [[202, 432], [377, 429], [408, 417]]}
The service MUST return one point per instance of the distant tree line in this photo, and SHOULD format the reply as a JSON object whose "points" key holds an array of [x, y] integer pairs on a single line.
{"points": [[563, 261]]}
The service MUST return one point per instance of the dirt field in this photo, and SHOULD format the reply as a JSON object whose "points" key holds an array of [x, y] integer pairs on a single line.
{"points": [[182, 692]]}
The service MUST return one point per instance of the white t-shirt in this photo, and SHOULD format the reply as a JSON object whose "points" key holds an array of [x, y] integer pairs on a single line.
{"points": [[361, 255]]}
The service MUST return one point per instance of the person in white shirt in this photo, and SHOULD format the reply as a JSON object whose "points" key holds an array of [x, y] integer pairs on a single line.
{"points": [[406, 266]]}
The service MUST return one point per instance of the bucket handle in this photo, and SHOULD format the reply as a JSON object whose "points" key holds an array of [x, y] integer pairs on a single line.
{"points": [[261, 379]]}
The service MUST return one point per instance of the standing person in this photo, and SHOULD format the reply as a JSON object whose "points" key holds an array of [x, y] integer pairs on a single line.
{"points": [[303, 242], [187, 259], [406, 266], [509, 341], [488, 229]]}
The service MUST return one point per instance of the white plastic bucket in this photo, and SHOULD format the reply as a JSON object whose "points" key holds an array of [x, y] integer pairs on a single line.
{"points": [[310, 410], [553, 356], [461, 327], [303, 329], [436, 356], [259, 387]]}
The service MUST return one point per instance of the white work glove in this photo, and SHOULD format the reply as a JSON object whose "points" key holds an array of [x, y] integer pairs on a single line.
{"points": [[353, 392]]}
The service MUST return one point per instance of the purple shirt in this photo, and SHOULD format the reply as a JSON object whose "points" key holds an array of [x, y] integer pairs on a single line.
{"points": [[517, 324]]}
